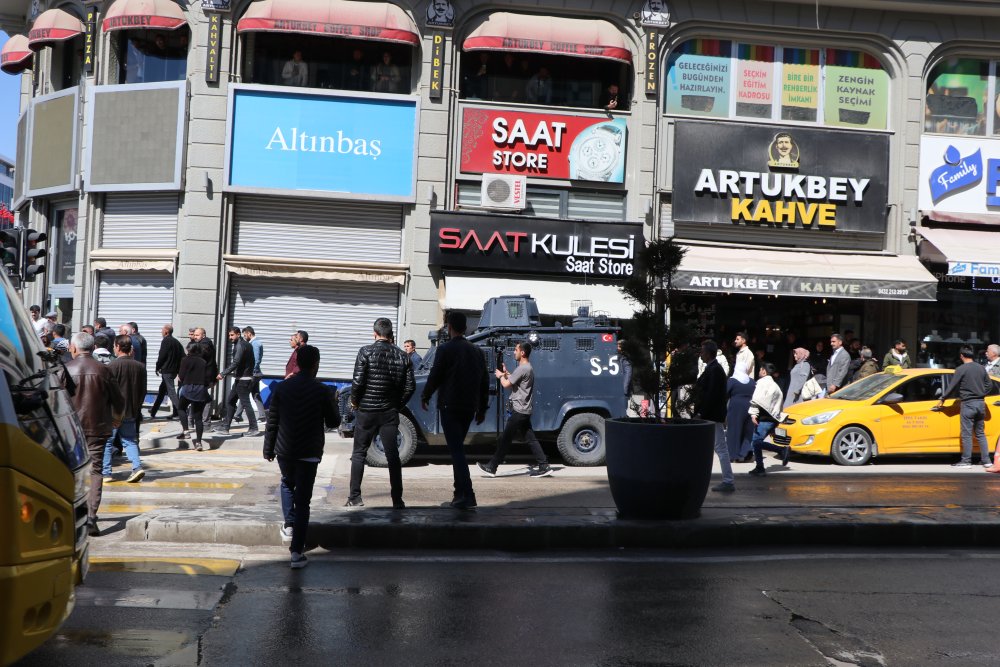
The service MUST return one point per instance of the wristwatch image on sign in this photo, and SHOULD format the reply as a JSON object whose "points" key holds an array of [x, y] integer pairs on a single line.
{"points": [[598, 152]]}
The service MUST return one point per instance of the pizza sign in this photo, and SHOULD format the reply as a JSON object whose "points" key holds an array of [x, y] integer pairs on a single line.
{"points": [[585, 148]]}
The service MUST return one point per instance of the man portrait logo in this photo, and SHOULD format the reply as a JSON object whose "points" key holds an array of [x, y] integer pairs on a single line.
{"points": [[783, 153]]}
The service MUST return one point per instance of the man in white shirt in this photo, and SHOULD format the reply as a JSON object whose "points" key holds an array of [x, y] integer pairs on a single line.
{"points": [[37, 321], [993, 360], [295, 72], [744, 355]]}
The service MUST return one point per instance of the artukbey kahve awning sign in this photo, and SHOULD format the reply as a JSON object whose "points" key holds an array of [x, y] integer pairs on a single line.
{"points": [[518, 244], [787, 177]]}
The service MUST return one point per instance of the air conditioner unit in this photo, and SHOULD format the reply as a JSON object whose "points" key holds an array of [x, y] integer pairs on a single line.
{"points": [[506, 192]]}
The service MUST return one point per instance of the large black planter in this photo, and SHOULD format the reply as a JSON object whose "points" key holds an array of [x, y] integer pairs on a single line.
{"points": [[659, 471]]}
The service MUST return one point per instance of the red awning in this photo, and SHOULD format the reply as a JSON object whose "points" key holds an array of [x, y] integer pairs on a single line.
{"points": [[15, 56], [144, 15], [377, 21], [54, 25], [585, 38]]}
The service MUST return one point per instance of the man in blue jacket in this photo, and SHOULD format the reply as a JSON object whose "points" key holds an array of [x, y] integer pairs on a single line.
{"points": [[301, 409]]}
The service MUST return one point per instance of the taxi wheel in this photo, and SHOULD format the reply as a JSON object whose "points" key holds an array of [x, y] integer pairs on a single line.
{"points": [[852, 446]]}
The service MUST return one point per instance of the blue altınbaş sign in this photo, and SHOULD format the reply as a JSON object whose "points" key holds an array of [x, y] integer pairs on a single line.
{"points": [[957, 174], [343, 145]]}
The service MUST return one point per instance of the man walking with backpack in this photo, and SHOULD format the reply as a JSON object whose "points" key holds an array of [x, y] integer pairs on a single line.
{"points": [[383, 383]]}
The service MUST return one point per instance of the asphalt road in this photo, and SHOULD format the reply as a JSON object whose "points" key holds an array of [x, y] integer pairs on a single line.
{"points": [[589, 608]]}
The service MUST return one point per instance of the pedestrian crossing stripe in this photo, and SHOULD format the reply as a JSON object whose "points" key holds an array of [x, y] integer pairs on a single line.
{"points": [[225, 567], [175, 485], [127, 509], [141, 496]]}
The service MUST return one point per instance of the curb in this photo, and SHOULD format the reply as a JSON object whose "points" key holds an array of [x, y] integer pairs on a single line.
{"points": [[498, 529]]}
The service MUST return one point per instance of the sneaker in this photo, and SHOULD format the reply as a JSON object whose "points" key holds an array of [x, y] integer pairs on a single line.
{"points": [[251, 433], [962, 464], [725, 487], [299, 561], [785, 453], [757, 472], [487, 470], [221, 430], [238, 419], [198, 445], [463, 502], [92, 528], [987, 463], [286, 533], [354, 502], [398, 505], [108, 479], [540, 471], [136, 475]]}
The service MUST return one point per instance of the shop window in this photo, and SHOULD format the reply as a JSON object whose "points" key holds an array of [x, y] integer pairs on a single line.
{"points": [[151, 56], [958, 98], [546, 80], [724, 79], [594, 205], [65, 62], [311, 61]]}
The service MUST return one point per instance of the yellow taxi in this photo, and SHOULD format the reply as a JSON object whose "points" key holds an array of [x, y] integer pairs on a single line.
{"points": [[883, 414]]}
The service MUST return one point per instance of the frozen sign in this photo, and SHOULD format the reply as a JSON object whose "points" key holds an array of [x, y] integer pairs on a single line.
{"points": [[959, 175]]}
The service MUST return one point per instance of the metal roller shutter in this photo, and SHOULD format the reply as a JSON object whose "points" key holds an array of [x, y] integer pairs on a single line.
{"points": [[146, 298], [338, 317], [308, 229], [140, 220]]}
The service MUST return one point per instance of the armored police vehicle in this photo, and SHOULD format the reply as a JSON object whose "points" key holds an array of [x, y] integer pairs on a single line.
{"points": [[578, 383]]}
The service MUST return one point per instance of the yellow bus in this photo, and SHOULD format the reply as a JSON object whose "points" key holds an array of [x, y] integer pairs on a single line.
{"points": [[44, 480]]}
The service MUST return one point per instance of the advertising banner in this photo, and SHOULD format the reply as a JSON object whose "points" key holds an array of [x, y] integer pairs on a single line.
{"points": [[959, 174], [698, 78], [857, 90], [518, 244], [755, 76], [780, 177], [333, 145], [502, 141], [844, 288]]}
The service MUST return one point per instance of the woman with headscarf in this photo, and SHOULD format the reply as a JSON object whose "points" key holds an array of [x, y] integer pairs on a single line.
{"points": [[765, 412], [739, 427], [798, 376]]}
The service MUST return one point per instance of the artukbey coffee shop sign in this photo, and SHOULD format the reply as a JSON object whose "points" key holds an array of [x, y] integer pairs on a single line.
{"points": [[961, 177], [543, 145], [804, 179], [526, 245]]}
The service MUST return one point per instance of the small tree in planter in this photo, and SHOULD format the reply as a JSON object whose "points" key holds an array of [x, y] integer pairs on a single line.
{"points": [[660, 465]]}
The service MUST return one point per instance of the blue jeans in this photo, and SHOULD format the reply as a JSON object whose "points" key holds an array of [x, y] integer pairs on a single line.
{"points": [[761, 432], [455, 424], [129, 433], [722, 451], [297, 478]]}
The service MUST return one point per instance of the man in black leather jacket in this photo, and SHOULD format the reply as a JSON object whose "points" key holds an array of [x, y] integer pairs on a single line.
{"points": [[241, 368], [383, 383]]}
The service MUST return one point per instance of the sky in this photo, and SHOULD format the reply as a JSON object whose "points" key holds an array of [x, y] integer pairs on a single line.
{"points": [[10, 87]]}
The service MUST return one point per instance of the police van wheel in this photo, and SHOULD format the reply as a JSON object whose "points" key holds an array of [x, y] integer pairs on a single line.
{"points": [[581, 440], [852, 446], [406, 442]]}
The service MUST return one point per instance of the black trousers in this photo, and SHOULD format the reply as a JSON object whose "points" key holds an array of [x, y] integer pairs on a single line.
{"points": [[240, 392], [518, 426], [168, 388], [385, 424]]}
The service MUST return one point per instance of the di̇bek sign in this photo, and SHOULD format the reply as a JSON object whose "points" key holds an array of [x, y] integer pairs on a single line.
{"points": [[780, 177], [519, 244], [959, 174], [320, 144], [541, 145]]}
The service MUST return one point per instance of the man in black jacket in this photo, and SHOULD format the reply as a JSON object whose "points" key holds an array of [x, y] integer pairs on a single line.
{"points": [[459, 372], [241, 369], [710, 404], [383, 383], [168, 362], [208, 354], [301, 409]]}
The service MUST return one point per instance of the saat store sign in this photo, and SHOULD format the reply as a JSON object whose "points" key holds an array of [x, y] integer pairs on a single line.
{"points": [[585, 148]]}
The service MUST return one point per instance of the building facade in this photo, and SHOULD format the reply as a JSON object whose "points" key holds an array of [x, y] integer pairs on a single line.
{"points": [[317, 164]]}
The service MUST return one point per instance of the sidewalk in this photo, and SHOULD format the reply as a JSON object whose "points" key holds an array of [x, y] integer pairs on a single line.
{"points": [[229, 496]]}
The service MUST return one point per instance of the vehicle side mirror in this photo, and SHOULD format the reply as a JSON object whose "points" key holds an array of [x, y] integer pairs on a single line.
{"points": [[892, 397]]}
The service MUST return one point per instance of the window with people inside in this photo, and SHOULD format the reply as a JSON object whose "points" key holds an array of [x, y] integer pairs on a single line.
{"points": [[962, 98], [547, 80], [152, 56], [726, 79], [307, 61]]}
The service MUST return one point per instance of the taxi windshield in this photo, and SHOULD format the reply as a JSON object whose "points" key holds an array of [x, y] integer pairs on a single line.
{"points": [[867, 388]]}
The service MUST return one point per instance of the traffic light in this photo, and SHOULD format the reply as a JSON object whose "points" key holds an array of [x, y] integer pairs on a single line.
{"points": [[33, 255], [11, 239]]}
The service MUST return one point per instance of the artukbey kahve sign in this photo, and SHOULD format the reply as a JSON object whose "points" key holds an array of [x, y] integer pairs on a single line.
{"points": [[780, 177], [518, 244], [542, 145], [820, 286], [959, 175]]}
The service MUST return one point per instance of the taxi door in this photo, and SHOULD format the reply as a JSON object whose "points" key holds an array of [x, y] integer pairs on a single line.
{"points": [[909, 425], [993, 416]]}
